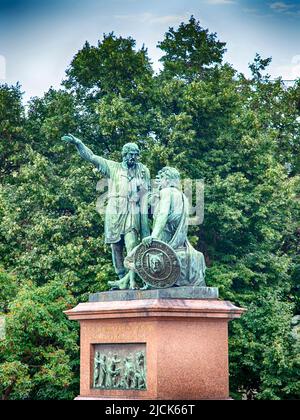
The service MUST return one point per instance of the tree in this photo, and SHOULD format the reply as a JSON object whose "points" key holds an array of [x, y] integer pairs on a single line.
{"points": [[190, 50], [14, 381], [12, 121], [241, 135], [8, 290], [265, 368], [40, 349], [113, 67]]}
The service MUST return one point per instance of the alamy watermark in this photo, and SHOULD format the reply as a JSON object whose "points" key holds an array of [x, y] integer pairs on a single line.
{"points": [[130, 200], [2, 327]]}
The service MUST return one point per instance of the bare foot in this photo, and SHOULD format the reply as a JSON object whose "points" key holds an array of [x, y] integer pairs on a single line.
{"points": [[120, 284], [146, 287], [133, 285]]}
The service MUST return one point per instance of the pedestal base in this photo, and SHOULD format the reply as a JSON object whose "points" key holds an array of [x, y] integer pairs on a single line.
{"points": [[185, 343]]}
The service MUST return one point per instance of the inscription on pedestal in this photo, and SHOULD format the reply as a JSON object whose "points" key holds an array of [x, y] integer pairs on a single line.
{"points": [[120, 366]]}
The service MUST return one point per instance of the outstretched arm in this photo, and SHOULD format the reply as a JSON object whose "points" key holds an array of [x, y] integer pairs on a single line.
{"points": [[87, 154]]}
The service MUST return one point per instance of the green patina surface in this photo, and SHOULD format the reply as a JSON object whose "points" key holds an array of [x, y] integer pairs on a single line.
{"points": [[170, 293], [127, 225], [120, 366]]}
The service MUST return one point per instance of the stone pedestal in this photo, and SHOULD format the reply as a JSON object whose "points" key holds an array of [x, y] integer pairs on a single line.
{"points": [[185, 341]]}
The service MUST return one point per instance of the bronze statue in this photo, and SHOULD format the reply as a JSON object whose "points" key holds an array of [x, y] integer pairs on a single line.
{"points": [[126, 220], [160, 260]]}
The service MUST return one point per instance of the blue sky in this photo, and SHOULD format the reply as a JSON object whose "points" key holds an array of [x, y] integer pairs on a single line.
{"points": [[39, 38]]}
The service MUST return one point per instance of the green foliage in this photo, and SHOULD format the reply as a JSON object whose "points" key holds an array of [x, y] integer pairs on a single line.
{"points": [[40, 344], [15, 381], [11, 129], [259, 66], [267, 368], [8, 290], [114, 66], [240, 135], [190, 49]]}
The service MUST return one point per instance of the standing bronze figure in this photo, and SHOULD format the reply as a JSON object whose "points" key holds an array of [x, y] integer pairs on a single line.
{"points": [[126, 220]]}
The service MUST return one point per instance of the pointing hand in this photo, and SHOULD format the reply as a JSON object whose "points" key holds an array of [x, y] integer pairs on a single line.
{"points": [[69, 139]]}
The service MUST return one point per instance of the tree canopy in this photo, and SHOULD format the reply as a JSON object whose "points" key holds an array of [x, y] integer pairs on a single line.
{"points": [[239, 134]]}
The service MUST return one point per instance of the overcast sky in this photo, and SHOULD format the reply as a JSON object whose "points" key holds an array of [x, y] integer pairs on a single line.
{"points": [[38, 38]]}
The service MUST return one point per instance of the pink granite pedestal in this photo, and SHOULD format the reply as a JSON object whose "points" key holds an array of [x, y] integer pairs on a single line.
{"points": [[186, 345]]}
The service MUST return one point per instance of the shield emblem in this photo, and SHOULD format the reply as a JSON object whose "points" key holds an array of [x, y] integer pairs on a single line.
{"points": [[157, 265]]}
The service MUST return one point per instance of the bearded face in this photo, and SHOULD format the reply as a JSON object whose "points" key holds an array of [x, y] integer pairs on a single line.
{"points": [[131, 159], [131, 155]]}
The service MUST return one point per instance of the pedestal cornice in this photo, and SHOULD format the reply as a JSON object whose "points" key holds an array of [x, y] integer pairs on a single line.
{"points": [[151, 308]]}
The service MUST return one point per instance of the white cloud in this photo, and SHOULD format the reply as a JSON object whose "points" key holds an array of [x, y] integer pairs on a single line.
{"points": [[280, 6], [296, 59], [2, 68], [169, 19], [142, 17], [152, 19], [290, 71]]}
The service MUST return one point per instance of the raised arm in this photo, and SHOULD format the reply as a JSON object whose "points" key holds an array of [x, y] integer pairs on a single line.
{"points": [[87, 154]]}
